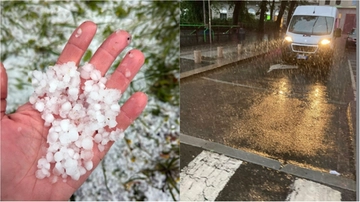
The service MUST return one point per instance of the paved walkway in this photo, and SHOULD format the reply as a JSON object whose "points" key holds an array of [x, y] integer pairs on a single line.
{"points": [[210, 58]]}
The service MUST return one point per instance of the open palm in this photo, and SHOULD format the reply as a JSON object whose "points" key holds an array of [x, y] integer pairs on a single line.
{"points": [[23, 134]]}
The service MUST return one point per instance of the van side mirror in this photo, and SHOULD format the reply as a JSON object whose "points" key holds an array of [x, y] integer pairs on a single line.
{"points": [[337, 32]]}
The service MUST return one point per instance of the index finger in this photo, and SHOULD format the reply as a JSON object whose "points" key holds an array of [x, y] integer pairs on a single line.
{"points": [[78, 43]]}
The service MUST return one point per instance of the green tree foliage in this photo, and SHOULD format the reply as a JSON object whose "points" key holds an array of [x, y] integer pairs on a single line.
{"points": [[192, 12], [163, 75], [33, 34]]}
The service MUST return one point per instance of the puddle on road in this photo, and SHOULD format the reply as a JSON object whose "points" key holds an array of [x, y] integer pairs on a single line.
{"points": [[282, 66]]}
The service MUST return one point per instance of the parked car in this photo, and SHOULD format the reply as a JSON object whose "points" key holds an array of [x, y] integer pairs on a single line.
{"points": [[351, 39]]}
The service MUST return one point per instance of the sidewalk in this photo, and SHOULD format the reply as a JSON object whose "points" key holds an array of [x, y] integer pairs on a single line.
{"points": [[210, 59]]}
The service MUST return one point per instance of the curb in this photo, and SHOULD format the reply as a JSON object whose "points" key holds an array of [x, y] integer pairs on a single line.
{"points": [[317, 176], [217, 65]]}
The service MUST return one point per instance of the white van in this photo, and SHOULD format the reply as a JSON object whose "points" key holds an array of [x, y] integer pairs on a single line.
{"points": [[310, 35]]}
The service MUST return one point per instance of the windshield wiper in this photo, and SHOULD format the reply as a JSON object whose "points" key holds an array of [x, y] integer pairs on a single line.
{"points": [[312, 30]]}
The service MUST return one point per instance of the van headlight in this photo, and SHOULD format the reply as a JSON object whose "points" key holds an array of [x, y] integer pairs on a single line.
{"points": [[288, 39], [325, 42]]}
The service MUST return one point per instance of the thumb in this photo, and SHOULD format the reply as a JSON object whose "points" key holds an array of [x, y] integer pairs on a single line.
{"points": [[3, 90]]}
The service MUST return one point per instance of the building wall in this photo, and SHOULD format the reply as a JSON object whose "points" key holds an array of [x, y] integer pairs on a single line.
{"points": [[347, 9], [344, 3], [347, 24], [222, 8]]}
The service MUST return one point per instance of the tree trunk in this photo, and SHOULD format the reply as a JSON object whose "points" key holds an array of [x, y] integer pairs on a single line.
{"points": [[272, 7], [242, 10], [290, 11], [239, 11], [262, 15], [281, 13], [236, 12]]}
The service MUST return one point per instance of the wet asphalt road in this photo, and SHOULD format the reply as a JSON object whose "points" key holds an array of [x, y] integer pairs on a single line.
{"points": [[297, 116]]}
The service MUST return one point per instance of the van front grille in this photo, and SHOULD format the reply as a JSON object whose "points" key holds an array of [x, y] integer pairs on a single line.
{"points": [[304, 49]]}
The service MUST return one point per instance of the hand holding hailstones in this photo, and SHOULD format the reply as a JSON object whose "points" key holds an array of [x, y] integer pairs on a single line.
{"points": [[70, 121]]}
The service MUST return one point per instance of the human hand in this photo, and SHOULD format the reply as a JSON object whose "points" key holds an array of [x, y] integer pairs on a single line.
{"points": [[24, 136]]}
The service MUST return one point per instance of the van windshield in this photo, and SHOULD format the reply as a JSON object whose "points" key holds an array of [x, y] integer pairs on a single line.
{"points": [[314, 25]]}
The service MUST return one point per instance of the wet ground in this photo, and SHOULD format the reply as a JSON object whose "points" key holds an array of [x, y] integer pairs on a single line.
{"points": [[297, 116], [188, 64], [253, 182]]}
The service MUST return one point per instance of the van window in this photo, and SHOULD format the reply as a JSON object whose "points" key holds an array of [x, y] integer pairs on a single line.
{"points": [[314, 25]]}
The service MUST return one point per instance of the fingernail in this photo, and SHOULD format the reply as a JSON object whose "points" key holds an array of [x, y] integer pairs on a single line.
{"points": [[125, 32]]}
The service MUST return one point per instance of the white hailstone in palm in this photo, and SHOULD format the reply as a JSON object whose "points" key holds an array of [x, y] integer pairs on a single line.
{"points": [[94, 95], [86, 155], [101, 147], [82, 170], [73, 135], [115, 108], [50, 157], [39, 174], [76, 156], [88, 67], [73, 93], [33, 99], [53, 136], [88, 85], [64, 124], [95, 75], [59, 167], [88, 165], [112, 123], [84, 74], [74, 116], [54, 147], [97, 138], [43, 163], [64, 139], [39, 106], [104, 141], [53, 85], [58, 156], [87, 143], [49, 118], [66, 106]]}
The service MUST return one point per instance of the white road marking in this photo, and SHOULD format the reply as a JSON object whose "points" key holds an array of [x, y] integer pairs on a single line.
{"points": [[353, 83], [234, 84], [281, 66], [305, 190], [206, 176], [264, 89]]}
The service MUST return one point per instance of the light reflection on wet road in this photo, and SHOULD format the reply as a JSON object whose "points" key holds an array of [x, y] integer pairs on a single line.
{"points": [[291, 115]]}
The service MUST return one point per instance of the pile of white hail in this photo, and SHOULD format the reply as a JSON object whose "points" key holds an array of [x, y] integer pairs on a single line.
{"points": [[74, 115]]}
